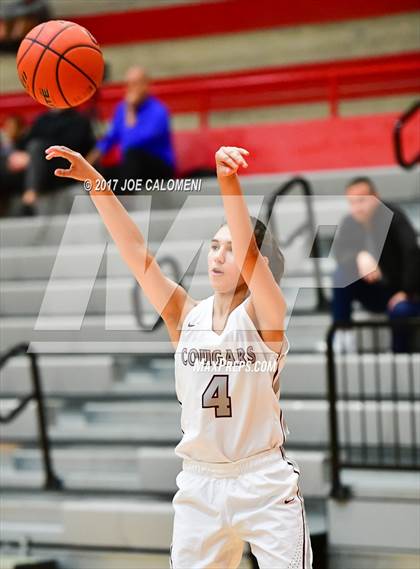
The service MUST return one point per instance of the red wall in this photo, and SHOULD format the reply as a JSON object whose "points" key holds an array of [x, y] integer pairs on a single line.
{"points": [[229, 16], [335, 143]]}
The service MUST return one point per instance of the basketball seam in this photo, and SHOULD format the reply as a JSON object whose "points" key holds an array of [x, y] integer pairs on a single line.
{"points": [[32, 43], [61, 56], [48, 46], [42, 54], [90, 35], [58, 84], [74, 64], [82, 45]]}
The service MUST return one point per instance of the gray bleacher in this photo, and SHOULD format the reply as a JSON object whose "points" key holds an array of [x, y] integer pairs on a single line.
{"points": [[114, 420]]}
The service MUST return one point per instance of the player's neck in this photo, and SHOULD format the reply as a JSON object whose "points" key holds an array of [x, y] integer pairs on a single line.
{"points": [[225, 302]]}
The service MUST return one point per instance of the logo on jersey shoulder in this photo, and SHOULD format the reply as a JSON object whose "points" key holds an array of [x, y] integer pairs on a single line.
{"points": [[191, 325], [289, 500]]}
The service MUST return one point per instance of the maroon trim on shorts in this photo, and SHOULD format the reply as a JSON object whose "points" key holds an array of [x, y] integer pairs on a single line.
{"points": [[301, 505], [277, 369], [282, 427], [304, 531]]}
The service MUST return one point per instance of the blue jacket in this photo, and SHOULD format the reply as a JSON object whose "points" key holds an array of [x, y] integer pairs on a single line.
{"points": [[150, 133]]}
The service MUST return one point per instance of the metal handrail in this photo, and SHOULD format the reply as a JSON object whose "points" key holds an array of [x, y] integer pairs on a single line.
{"points": [[51, 481], [138, 307], [397, 135], [338, 489], [322, 302]]}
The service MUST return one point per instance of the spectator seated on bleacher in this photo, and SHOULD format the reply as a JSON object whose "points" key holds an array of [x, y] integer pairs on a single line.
{"points": [[67, 127], [18, 18], [13, 160], [384, 276], [141, 128]]}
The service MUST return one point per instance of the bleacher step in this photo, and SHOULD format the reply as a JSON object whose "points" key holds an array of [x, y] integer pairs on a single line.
{"points": [[371, 484], [355, 558], [113, 522], [382, 504], [147, 469], [375, 523], [85, 227], [77, 558], [36, 263], [148, 421], [92, 297], [71, 334], [100, 376], [60, 374], [20, 562]]}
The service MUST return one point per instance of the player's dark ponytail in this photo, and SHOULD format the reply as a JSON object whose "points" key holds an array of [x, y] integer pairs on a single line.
{"points": [[268, 246]]}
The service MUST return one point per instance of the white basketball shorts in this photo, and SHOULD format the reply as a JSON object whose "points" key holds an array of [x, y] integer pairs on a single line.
{"points": [[219, 506]]}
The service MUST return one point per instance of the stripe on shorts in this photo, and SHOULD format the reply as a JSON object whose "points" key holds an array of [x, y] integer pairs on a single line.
{"points": [[286, 458]]}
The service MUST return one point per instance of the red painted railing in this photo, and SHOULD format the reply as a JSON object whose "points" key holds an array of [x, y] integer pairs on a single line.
{"points": [[330, 82]]}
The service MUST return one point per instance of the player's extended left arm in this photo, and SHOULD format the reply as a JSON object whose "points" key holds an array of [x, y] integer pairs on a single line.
{"points": [[266, 295]]}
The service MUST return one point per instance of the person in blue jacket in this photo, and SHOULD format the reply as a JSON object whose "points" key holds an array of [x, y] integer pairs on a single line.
{"points": [[141, 128]]}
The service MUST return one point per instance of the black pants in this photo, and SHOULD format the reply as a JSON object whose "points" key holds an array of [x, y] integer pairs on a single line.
{"points": [[374, 297], [138, 164], [39, 175], [40, 172], [11, 186]]}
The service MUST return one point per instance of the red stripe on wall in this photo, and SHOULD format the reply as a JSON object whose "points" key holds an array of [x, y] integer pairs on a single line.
{"points": [[229, 16], [330, 144]]}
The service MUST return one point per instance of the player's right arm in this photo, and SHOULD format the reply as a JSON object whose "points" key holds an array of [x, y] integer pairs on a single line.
{"points": [[168, 298]]}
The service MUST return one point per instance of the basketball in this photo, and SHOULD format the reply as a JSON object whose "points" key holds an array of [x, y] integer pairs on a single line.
{"points": [[60, 64]]}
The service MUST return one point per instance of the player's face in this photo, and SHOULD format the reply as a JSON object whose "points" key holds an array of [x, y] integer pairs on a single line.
{"points": [[223, 272], [362, 202]]}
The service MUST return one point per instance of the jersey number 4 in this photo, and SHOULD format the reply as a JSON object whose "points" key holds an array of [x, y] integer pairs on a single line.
{"points": [[216, 395]]}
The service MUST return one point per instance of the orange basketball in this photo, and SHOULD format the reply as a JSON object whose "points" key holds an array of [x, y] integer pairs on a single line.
{"points": [[60, 64]]}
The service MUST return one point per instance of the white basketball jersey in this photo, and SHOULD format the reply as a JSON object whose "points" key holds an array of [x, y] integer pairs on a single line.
{"points": [[228, 386]]}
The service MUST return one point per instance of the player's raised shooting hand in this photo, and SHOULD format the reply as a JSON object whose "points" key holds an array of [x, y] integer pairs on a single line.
{"points": [[79, 169], [228, 160]]}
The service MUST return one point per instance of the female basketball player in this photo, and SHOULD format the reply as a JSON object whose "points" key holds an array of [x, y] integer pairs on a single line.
{"points": [[236, 484]]}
